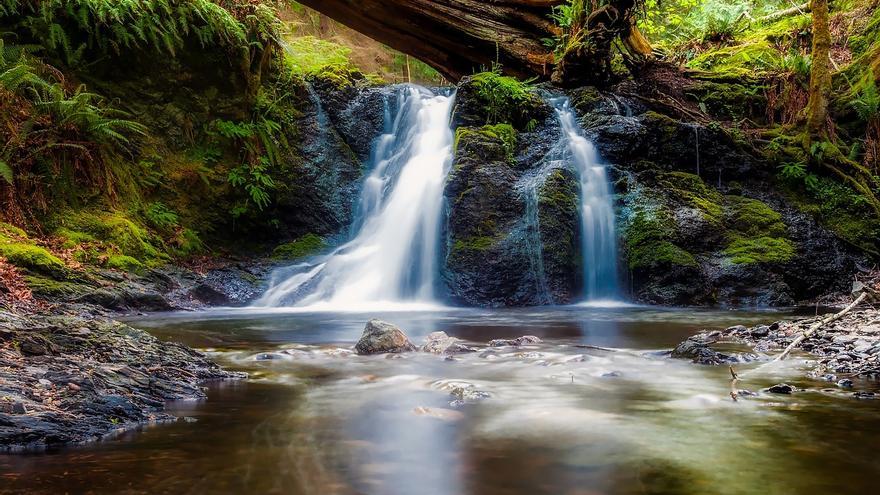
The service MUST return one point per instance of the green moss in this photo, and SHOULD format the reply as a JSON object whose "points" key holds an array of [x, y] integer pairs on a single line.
{"points": [[648, 241], [760, 250], [505, 134], [752, 218], [340, 76], [72, 239], [557, 193], [475, 243], [124, 263], [306, 245], [691, 189], [11, 231], [121, 233], [32, 258], [45, 287], [505, 99]]}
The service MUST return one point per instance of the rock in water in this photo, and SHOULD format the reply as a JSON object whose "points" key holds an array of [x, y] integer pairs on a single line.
{"points": [[441, 343], [381, 337]]}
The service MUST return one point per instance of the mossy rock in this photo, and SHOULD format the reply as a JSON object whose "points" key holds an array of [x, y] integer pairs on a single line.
{"points": [[504, 134], [491, 98], [124, 263], [760, 250], [752, 218], [116, 229], [33, 258], [648, 242], [9, 231], [691, 189], [45, 287], [307, 245]]}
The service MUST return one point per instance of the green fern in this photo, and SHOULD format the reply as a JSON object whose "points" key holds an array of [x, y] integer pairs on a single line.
{"points": [[6, 171]]}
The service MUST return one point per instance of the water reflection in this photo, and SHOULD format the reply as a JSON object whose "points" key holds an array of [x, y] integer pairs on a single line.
{"points": [[562, 417]]}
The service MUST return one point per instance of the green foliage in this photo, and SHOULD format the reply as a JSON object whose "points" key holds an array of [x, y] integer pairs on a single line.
{"points": [[6, 172], [504, 99], [161, 216], [867, 101], [256, 182], [307, 245], [67, 26], [308, 55]]}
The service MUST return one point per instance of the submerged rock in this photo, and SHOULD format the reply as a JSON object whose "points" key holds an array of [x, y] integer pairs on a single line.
{"points": [[519, 341], [781, 388], [381, 337], [698, 350]]}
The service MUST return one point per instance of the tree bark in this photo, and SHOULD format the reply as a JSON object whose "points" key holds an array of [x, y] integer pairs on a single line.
{"points": [[461, 37], [820, 71]]}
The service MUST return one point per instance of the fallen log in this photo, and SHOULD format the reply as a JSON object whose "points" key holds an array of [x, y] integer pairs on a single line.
{"points": [[795, 10]]}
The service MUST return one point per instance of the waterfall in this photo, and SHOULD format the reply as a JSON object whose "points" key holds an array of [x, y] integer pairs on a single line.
{"points": [[392, 255], [599, 240]]}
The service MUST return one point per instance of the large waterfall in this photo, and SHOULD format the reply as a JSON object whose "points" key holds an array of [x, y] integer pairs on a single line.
{"points": [[599, 240], [392, 256]]}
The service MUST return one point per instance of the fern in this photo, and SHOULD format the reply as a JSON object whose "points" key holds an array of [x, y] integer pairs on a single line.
{"points": [[6, 171], [867, 102]]}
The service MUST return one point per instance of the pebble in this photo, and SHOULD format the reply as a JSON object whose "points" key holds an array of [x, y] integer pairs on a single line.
{"points": [[760, 331]]}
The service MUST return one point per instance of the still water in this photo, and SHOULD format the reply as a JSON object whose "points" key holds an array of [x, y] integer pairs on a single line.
{"points": [[562, 417]]}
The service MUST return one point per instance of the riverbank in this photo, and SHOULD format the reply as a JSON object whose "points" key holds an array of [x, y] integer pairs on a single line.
{"points": [[839, 352], [70, 373]]}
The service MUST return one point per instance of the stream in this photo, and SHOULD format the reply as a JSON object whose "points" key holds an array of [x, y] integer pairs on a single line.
{"points": [[548, 418]]}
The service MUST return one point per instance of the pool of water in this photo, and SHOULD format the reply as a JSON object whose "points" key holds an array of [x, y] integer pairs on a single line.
{"points": [[561, 417]]}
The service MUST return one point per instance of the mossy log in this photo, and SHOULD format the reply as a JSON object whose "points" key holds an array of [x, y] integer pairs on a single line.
{"points": [[460, 37]]}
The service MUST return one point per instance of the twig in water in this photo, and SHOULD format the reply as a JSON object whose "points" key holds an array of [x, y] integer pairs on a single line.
{"points": [[733, 379]]}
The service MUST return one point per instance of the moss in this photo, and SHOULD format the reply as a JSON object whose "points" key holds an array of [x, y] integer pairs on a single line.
{"points": [[306, 245], [72, 239], [760, 250], [505, 99], [117, 230], [557, 193], [648, 244], [11, 231], [32, 258], [752, 218], [475, 243], [45, 287], [124, 263], [730, 100], [505, 134], [692, 190], [339, 76]]}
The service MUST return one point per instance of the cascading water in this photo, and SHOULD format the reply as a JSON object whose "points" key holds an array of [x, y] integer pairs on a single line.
{"points": [[599, 241], [392, 257]]}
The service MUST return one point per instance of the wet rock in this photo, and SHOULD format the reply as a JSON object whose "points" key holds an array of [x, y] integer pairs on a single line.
{"points": [[760, 331], [467, 393], [781, 388], [845, 383], [736, 329], [441, 343], [438, 413], [381, 337], [19, 408], [698, 350], [864, 395], [519, 341]]}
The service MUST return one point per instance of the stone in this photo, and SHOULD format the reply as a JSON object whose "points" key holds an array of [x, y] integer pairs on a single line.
{"points": [[844, 339], [381, 337], [19, 408], [519, 341], [736, 329], [760, 331], [697, 350], [441, 343], [781, 388], [845, 383]]}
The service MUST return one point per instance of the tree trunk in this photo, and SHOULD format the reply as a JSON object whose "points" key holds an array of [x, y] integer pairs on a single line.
{"points": [[461, 37], [820, 71]]}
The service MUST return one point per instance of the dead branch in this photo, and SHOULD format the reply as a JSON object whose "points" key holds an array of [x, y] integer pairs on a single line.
{"points": [[816, 326], [796, 10]]}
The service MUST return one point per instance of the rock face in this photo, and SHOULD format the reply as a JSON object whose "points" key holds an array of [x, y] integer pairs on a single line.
{"points": [[381, 337], [513, 229]]}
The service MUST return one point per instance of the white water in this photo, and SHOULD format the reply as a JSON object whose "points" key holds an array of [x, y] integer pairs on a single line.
{"points": [[392, 257], [599, 240]]}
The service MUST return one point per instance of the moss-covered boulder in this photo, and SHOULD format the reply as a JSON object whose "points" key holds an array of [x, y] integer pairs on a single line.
{"points": [[491, 98]]}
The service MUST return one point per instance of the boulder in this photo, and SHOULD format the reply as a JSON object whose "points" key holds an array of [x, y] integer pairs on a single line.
{"points": [[381, 337], [440, 343], [524, 340]]}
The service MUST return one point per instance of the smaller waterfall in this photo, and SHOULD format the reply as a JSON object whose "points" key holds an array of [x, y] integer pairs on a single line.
{"points": [[392, 254], [599, 239]]}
